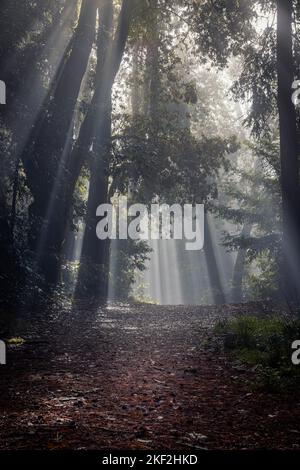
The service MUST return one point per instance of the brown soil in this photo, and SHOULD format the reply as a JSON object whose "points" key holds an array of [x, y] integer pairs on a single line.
{"points": [[136, 377]]}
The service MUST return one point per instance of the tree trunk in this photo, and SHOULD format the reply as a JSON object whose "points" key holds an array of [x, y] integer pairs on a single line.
{"points": [[105, 77], [212, 266], [95, 256], [239, 268], [153, 78], [45, 163], [96, 131], [67, 172], [288, 152], [45, 155]]}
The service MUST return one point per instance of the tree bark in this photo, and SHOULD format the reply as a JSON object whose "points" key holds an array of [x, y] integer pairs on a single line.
{"points": [[288, 151], [94, 256], [49, 145], [212, 266], [239, 268], [106, 74], [45, 162], [96, 132]]}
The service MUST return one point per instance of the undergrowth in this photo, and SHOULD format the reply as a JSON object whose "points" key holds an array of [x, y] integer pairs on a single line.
{"points": [[265, 344]]}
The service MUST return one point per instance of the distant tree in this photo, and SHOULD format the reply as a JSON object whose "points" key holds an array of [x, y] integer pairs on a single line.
{"points": [[251, 204]]}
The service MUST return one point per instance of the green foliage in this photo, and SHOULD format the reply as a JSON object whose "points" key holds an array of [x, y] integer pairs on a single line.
{"points": [[26, 68], [138, 293], [252, 205], [91, 281], [172, 145], [17, 341], [263, 281], [262, 87], [128, 258], [264, 343], [172, 165], [223, 27]]}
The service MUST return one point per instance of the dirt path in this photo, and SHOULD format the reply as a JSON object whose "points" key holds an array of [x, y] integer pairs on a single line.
{"points": [[136, 377]]}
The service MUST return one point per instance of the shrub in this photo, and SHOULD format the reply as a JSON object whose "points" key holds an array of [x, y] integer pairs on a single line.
{"points": [[266, 343]]}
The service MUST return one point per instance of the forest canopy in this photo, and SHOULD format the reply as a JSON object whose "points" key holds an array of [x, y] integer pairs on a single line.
{"points": [[156, 101]]}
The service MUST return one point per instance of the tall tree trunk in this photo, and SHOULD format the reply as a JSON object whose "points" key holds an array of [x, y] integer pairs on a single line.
{"points": [[45, 154], [212, 265], [96, 131], [136, 95], [239, 268], [94, 256], [153, 78], [45, 162], [95, 252], [288, 151], [105, 77]]}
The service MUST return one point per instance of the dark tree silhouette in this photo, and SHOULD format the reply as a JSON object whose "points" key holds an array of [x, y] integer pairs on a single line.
{"points": [[288, 149]]}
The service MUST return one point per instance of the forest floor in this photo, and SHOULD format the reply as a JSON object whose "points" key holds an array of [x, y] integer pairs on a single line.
{"points": [[137, 377]]}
